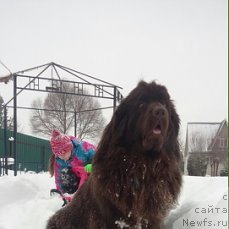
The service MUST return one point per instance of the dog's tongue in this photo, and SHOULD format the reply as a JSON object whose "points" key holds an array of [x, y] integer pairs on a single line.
{"points": [[157, 131]]}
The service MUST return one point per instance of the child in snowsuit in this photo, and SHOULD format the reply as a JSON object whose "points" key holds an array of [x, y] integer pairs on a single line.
{"points": [[70, 162]]}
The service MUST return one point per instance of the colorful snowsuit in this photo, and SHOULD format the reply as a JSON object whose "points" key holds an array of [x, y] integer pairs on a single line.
{"points": [[71, 174]]}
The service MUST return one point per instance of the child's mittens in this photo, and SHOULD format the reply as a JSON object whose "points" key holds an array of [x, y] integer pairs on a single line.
{"points": [[68, 198], [88, 168]]}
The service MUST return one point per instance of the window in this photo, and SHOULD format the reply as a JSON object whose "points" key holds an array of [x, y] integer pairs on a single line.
{"points": [[222, 142]]}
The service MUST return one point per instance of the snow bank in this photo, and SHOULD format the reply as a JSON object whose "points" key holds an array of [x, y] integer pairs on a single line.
{"points": [[25, 202], [203, 204]]}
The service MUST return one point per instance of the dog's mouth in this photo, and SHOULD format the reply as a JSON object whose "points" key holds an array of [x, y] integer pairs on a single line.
{"points": [[157, 130], [155, 137]]}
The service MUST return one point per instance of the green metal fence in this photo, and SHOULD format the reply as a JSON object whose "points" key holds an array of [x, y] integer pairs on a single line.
{"points": [[32, 153]]}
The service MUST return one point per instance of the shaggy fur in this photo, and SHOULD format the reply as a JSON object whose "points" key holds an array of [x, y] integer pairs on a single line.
{"points": [[136, 177]]}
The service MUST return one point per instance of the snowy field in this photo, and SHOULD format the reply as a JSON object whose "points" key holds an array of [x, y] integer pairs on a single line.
{"points": [[25, 202]]}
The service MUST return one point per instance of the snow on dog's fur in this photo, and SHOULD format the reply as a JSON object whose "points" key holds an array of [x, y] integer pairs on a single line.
{"points": [[136, 178]]}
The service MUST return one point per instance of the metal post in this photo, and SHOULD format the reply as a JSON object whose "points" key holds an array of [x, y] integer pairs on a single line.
{"points": [[75, 125], [15, 126], [5, 162], [42, 158], [10, 147], [11, 139]]}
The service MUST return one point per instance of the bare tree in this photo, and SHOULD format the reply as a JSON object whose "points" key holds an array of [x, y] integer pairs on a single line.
{"points": [[198, 143], [64, 109], [1, 112], [198, 160], [10, 120]]}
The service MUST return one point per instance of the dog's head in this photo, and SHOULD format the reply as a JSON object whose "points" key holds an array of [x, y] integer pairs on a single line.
{"points": [[146, 120]]}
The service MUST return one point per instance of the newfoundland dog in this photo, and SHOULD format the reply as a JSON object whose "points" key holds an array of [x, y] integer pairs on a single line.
{"points": [[136, 176]]}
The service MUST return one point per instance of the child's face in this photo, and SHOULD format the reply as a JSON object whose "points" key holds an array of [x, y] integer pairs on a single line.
{"points": [[65, 155]]}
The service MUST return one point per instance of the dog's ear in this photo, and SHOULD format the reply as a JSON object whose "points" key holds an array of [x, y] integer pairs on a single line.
{"points": [[172, 144], [120, 122], [113, 134], [174, 119]]}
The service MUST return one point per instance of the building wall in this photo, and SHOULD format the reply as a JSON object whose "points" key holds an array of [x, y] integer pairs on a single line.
{"points": [[217, 151], [32, 153], [221, 166]]}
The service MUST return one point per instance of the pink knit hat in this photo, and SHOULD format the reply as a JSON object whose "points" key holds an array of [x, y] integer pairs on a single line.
{"points": [[60, 143]]}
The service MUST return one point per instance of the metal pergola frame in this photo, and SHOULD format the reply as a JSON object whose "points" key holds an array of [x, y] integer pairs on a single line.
{"points": [[101, 89]]}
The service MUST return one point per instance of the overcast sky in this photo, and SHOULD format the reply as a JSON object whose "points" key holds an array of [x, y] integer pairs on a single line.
{"points": [[180, 43]]}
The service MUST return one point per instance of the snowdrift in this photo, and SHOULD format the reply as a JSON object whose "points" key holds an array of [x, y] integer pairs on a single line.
{"points": [[25, 202]]}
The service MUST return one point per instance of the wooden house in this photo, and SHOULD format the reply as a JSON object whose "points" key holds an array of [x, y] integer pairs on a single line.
{"points": [[207, 140]]}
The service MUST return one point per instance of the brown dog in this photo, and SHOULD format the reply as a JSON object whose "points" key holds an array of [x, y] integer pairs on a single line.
{"points": [[136, 177]]}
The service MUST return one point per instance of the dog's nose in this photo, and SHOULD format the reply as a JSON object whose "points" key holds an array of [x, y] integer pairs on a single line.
{"points": [[159, 111]]}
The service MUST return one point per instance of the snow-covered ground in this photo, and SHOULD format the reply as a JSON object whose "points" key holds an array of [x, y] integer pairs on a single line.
{"points": [[25, 202]]}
